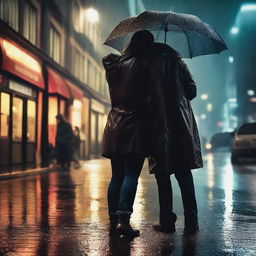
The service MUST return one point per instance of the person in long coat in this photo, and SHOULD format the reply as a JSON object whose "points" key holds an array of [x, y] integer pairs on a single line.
{"points": [[124, 138], [64, 142], [174, 141]]}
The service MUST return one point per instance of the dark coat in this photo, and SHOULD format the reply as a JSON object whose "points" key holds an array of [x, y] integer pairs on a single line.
{"points": [[64, 142], [173, 133], [125, 129]]}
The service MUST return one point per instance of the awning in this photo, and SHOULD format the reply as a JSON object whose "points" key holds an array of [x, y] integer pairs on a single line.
{"points": [[57, 85], [21, 63], [76, 93]]}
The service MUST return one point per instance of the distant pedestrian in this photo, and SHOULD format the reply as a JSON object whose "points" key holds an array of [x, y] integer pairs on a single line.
{"points": [[175, 145], [64, 142], [125, 140], [76, 144]]}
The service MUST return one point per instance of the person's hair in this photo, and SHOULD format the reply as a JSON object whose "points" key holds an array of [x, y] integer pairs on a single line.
{"points": [[60, 117], [141, 43]]}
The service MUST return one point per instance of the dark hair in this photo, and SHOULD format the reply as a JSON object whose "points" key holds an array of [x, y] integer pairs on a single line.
{"points": [[141, 43]]}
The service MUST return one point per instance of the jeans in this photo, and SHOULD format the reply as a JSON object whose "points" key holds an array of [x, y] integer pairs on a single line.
{"points": [[123, 185], [186, 184]]}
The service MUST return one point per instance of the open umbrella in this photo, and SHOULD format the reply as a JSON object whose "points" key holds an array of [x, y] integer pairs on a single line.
{"points": [[186, 33]]}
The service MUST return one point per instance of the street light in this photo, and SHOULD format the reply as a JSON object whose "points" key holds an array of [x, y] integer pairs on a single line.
{"points": [[248, 7], [231, 59], [251, 92], [234, 30], [92, 15], [204, 96]]}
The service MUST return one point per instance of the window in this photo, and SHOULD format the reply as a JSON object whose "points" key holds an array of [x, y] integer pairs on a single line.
{"points": [[52, 112], [30, 22], [17, 111], [55, 45], [31, 122], [76, 17], [5, 110], [9, 12]]}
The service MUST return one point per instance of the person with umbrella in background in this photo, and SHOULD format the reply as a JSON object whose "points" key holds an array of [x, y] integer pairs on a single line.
{"points": [[173, 141]]}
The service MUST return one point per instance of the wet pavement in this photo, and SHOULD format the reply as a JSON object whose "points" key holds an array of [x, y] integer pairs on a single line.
{"points": [[65, 213]]}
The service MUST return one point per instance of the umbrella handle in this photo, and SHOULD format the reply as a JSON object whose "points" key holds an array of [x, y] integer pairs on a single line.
{"points": [[165, 34]]}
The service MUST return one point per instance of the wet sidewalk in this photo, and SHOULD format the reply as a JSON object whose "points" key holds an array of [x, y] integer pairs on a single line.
{"points": [[65, 213]]}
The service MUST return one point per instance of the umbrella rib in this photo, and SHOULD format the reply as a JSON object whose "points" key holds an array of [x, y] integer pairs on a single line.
{"points": [[189, 47]]}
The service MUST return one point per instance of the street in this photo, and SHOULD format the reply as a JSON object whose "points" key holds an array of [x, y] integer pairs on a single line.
{"points": [[65, 213]]}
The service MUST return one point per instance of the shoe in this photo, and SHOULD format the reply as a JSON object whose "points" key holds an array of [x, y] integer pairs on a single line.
{"points": [[112, 222], [124, 229], [166, 224], [191, 230]]}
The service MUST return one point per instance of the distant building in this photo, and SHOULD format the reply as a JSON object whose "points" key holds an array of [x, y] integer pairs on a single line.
{"points": [[50, 63]]}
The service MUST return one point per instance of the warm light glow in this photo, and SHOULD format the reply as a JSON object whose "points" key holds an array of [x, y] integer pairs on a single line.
{"points": [[208, 146], [248, 7], [20, 56], [204, 96], [76, 113], [209, 107], [234, 30], [92, 15]]}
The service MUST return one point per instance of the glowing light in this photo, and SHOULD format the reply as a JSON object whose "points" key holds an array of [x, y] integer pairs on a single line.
{"points": [[231, 59], [232, 100], [20, 56], [251, 92], [248, 7], [209, 107], [234, 30], [92, 15], [208, 146], [203, 116], [204, 96]]}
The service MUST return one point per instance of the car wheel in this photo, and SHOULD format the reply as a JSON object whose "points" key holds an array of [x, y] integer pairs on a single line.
{"points": [[234, 159]]}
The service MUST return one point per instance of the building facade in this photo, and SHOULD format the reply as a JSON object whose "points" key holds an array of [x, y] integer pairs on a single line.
{"points": [[50, 64]]}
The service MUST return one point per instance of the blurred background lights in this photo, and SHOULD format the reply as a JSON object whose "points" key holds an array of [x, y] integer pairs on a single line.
{"points": [[204, 96], [248, 7], [231, 59], [251, 92], [92, 15], [203, 116], [234, 30]]}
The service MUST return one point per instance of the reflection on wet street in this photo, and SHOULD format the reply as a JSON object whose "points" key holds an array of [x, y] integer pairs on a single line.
{"points": [[65, 213]]}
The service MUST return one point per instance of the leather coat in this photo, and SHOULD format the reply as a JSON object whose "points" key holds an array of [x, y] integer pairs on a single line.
{"points": [[151, 114]]}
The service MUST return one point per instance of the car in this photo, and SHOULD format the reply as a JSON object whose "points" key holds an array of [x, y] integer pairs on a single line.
{"points": [[244, 142], [220, 141]]}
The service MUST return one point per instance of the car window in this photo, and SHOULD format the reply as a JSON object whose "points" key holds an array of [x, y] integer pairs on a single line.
{"points": [[247, 129]]}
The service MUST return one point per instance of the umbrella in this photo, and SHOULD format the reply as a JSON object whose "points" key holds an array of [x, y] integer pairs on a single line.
{"points": [[186, 33]]}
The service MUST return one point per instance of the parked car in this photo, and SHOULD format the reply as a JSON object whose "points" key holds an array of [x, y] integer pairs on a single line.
{"points": [[244, 142], [221, 140]]}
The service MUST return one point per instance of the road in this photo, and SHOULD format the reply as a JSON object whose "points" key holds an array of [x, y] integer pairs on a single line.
{"points": [[65, 213]]}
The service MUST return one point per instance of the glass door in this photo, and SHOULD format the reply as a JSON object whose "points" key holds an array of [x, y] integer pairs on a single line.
{"points": [[31, 132]]}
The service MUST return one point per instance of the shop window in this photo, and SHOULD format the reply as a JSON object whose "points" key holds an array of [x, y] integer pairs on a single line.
{"points": [[5, 110], [52, 112], [17, 111], [30, 22], [76, 113], [55, 45], [31, 135], [62, 107], [9, 12]]}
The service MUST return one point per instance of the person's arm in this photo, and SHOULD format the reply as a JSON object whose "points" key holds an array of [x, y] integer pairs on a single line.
{"points": [[189, 83]]}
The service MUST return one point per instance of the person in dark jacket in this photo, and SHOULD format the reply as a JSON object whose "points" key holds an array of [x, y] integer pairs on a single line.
{"points": [[77, 142], [64, 142], [125, 137], [174, 141]]}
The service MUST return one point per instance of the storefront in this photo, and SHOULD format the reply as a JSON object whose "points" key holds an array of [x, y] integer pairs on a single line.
{"points": [[98, 120], [58, 100], [21, 85]]}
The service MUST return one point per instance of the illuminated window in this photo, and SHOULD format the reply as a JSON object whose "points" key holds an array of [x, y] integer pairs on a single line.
{"points": [[5, 110], [62, 107], [30, 22], [55, 45], [76, 113], [52, 112], [17, 112], [31, 135], [9, 12]]}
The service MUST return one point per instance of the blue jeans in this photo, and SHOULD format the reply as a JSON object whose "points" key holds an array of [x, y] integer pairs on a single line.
{"points": [[123, 185]]}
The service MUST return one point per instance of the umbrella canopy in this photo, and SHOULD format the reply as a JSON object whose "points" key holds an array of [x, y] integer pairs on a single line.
{"points": [[186, 33]]}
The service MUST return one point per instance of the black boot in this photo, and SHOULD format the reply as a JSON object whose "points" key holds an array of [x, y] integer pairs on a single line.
{"points": [[112, 222], [166, 224], [124, 229]]}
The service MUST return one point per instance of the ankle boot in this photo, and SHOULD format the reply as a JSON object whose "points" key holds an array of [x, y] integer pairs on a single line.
{"points": [[166, 224], [112, 221], [123, 228]]}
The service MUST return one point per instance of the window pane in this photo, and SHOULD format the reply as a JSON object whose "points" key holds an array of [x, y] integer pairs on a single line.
{"points": [[17, 111], [9, 12], [52, 112], [63, 107], [5, 111], [55, 45], [30, 23], [31, 135]]}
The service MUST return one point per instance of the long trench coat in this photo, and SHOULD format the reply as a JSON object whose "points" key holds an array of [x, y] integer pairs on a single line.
{"points": [[151, 114]]}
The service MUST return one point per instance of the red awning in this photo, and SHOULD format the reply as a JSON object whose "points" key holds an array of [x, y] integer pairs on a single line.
{"points": [[75, 91], [56, 84], [21, 63]]}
